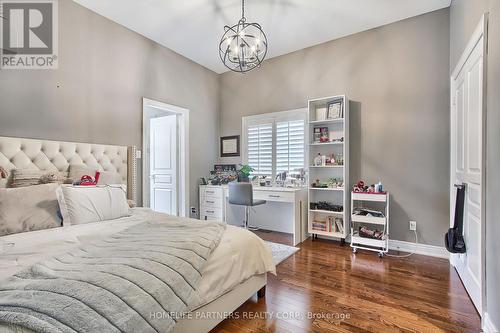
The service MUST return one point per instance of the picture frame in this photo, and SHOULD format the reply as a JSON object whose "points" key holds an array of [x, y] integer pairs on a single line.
{"points": [[230, 146], [335, 109]]}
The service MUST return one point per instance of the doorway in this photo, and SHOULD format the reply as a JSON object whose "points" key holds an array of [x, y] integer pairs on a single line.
{"points": [[468, 157], [166, 156]]}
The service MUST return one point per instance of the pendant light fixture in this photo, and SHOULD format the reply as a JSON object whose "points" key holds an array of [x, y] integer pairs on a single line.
{"points": [[243, 46]]}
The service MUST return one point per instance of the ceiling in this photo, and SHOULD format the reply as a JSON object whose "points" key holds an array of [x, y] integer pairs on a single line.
{"points": [[193, 28]]}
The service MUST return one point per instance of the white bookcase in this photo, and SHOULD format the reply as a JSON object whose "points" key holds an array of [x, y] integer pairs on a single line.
{"points": [[337, 196]]}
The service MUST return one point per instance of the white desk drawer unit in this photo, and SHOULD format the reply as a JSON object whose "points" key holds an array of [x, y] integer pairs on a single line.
{"points": [[212, 202], [274, 196], [211, 207], [211, 213], [211, 191]]}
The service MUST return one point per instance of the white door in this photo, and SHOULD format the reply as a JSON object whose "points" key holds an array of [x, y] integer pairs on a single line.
{"points": [[467, 157], [163, 164]]}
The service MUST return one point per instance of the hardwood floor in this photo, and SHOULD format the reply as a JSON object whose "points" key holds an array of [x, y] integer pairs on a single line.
{"points": [[324, 287]]}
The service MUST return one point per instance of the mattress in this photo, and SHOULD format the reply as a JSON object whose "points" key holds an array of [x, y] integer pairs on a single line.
{"points": [[239, 256]]}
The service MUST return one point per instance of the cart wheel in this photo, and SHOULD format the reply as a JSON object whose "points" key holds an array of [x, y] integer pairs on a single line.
{"points": [[354, 250], [381, 254]]}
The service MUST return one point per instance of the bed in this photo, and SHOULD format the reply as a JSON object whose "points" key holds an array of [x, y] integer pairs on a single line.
{"points": [[230, 275]]}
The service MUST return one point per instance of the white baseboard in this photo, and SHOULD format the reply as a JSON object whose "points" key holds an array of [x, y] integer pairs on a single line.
{"points": [[424, 249], [488, 326]]}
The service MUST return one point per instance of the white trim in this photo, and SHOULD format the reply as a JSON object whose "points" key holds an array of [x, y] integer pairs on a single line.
{"points": [[487, 324], [424, 249], [183, 202]]}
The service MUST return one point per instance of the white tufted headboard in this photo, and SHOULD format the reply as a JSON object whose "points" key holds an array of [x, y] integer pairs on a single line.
{"points": [[45, 155]]}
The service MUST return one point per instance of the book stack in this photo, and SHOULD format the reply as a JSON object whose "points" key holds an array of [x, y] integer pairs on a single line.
{"points": [[319, 225], [331, 224], [335, 224]]}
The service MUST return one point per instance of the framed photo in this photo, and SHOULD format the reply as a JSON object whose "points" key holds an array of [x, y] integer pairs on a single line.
{"points": [[230, 146], [335, 109]]}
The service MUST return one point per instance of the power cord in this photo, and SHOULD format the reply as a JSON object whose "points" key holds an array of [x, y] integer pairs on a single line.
{"points": [[405, 255]]}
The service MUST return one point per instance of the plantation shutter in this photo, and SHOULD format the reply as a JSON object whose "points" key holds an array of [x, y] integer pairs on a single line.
{"points": [[290, 151], [260, 149]]}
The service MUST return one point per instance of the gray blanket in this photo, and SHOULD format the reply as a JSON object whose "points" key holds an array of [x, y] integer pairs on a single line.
{"points": [[138, 280]]}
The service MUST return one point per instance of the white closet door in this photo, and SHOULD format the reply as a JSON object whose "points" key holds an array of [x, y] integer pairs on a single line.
{"points": [[163, 164], [467, 158]]}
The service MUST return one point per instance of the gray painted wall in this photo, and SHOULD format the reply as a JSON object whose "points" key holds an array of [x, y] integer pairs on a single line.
{"points": [[464, 16], [104, 72], [397, 78]]}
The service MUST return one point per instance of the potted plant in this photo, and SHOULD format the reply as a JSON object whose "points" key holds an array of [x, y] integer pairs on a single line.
{"points": [[244, 173]]}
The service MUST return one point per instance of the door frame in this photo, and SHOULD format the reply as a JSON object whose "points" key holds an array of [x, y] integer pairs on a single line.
{"points": [[183, 153], [481, 31]]}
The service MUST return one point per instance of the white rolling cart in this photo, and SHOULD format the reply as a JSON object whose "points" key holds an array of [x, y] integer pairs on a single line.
{"points": [[357, 242]]}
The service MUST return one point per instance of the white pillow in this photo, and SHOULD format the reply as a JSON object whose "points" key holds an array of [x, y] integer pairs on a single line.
{"points": [[86, 204], [28, 208]]}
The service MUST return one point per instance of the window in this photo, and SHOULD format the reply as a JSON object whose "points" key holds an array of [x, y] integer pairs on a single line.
{"points": [[275, 142], [290, 142], [260, 149]]}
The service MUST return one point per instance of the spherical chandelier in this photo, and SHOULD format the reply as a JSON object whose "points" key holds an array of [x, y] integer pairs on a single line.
{"points": [[243, 46]]}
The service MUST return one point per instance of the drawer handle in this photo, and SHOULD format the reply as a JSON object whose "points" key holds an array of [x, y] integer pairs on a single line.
{"points": [[210, 192], [209, 201], [210, 211], [274, 196]]}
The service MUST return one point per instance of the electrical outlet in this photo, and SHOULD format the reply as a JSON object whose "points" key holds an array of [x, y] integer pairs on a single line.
{"points": [[413, 225], [194, 212]]}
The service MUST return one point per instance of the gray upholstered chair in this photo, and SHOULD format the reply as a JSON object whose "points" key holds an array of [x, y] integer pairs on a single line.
{"points": [[242, 194]]}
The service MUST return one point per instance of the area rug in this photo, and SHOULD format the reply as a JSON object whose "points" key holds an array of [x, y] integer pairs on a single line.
{"points": [[281, 252]]}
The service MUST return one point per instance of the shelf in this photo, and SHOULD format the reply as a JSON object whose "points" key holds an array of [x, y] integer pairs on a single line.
{"points": [[327, 121], [377, 197], [337, 196], [368, 219], [327, 166], [341, 189], [321, 211], [326, 143], [368, 241], [326, 233]]}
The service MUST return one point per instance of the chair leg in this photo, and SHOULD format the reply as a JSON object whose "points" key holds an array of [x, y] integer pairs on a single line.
{"points": [[247, 216], [246, 222], [249, 227], [245, 219]]}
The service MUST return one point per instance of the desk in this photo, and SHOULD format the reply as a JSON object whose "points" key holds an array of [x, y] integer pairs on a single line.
{"points": [[214, 205]]}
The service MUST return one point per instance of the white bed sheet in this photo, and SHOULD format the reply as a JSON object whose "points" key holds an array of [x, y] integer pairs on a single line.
{"points": [[239, 256]]}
